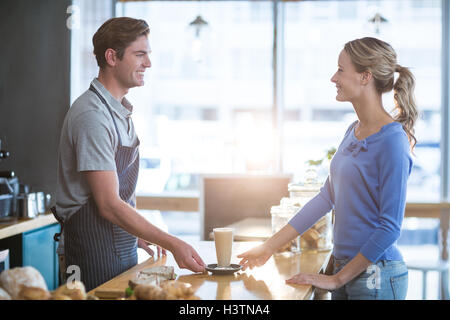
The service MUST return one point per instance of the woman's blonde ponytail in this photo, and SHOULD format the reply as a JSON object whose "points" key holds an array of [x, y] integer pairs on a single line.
{"points": [[405, 103]]}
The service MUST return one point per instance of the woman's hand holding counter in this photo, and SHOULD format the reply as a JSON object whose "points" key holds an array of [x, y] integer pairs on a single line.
{"points": [[321, 281], [332, 282]]}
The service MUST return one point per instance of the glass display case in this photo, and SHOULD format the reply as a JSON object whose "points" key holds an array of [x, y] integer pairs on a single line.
{"points": [[281, 215], [319, 236]]}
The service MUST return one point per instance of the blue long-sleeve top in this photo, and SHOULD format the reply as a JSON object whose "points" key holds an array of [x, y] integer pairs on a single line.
{"points": [[366, 188]]}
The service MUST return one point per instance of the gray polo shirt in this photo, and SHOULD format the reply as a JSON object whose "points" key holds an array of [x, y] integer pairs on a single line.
{"points": [[89, 142]]}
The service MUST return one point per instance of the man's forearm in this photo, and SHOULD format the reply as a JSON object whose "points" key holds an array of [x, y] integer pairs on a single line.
{"points": [[126, 217]]}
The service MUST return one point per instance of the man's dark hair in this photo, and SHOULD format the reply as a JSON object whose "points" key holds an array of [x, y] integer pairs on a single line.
{"points": [[117, 34]]}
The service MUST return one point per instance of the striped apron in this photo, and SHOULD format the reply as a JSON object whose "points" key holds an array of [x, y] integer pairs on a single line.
{"points": [[101, 249]]}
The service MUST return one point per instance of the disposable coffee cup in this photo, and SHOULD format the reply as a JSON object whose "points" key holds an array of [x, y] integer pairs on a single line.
{"points": [[223, 239]]}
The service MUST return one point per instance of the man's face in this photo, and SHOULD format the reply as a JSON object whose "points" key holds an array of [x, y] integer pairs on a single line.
{"points": [[130, 70]]}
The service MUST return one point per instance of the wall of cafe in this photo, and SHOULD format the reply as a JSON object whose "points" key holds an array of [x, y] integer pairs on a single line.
{"points": [[34, 87]]}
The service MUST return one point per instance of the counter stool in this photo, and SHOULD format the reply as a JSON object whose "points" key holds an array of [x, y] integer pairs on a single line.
{"points": [[440, 266]]}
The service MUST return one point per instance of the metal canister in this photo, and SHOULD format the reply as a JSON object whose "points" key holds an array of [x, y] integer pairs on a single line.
{"points": [[40, 202], [27, 205]]}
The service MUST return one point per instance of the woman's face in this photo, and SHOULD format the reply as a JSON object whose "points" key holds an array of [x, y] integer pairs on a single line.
{"points": [[347, 79]]}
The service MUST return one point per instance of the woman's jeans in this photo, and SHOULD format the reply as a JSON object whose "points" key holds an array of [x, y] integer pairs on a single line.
{"points": [[383, 280]]}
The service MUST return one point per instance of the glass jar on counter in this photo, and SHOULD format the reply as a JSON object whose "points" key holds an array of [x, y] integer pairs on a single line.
{"points": [[281, 215], [319, 236]]}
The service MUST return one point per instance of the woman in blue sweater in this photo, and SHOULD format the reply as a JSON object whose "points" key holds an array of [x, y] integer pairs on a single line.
{"points": [[366, 186]]}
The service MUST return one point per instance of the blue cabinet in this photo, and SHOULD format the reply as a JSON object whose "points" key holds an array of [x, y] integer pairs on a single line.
{"points": [[39, 251], [35, 248]]}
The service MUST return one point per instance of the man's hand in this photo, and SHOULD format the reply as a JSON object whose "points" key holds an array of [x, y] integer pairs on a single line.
{"points": [[186, 257], [146, 246]]}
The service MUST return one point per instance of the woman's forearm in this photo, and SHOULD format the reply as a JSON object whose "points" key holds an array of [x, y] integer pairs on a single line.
{"points": [[283, 236], [352, 269]]}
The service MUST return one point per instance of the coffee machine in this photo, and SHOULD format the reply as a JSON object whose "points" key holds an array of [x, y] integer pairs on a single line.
{"points": [[9, 189], [16, 199]]}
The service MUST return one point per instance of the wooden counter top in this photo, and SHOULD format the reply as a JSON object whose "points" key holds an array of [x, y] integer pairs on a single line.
{"points": [[23, 225], [266, 282]]}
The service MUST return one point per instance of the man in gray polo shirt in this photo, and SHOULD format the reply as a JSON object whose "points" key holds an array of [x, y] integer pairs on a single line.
{"points": [[99, 162]]}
